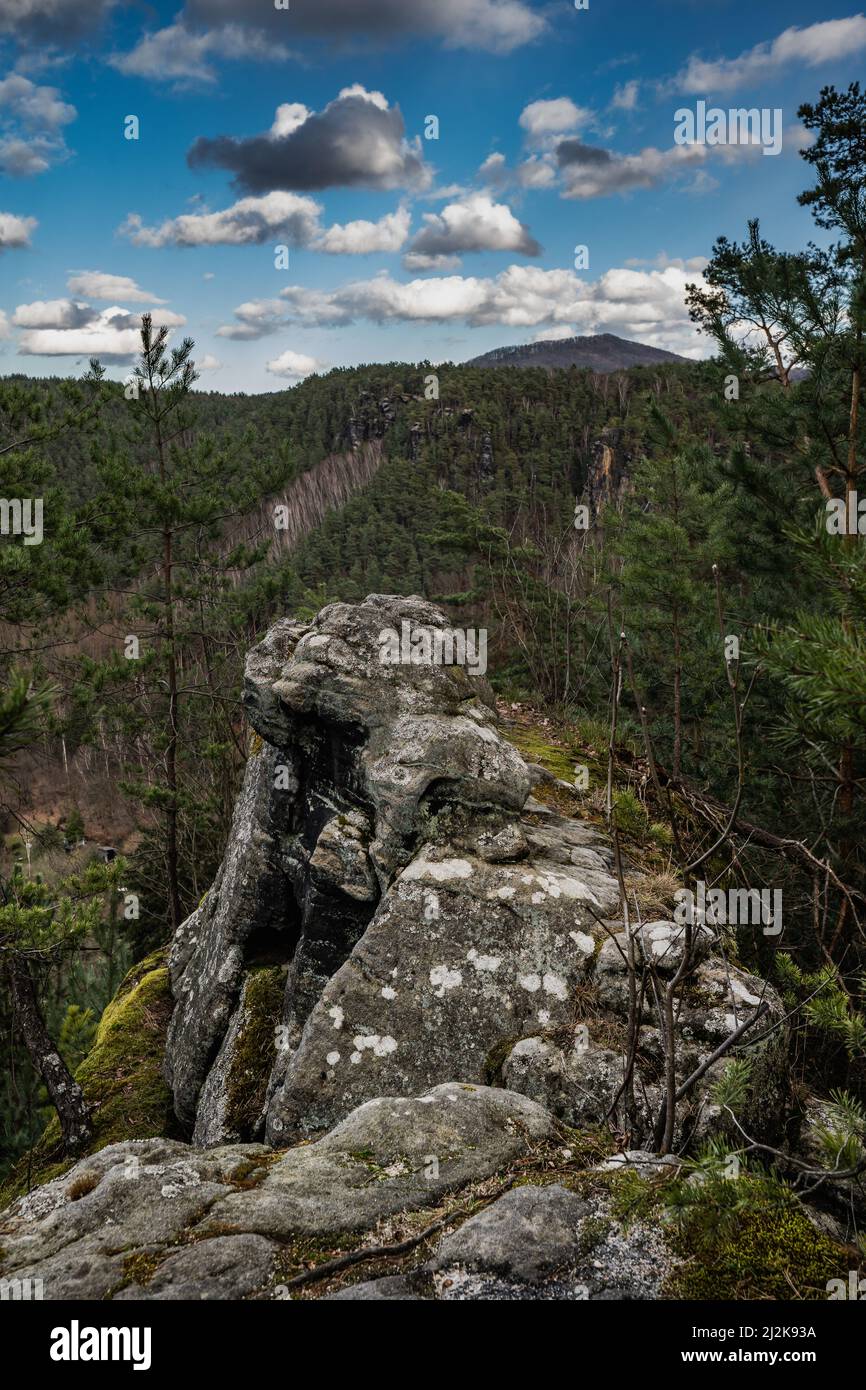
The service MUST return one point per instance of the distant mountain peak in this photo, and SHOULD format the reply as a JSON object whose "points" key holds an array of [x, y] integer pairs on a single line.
{"points": [[600, 352]]}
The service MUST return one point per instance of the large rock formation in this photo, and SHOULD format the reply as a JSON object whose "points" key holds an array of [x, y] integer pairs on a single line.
{"points": [[424, 918], [411, 979]]}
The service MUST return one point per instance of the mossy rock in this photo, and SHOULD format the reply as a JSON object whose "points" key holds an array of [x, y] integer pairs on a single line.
{"points": [[121, 1077], [255, 1049], [767, 1250]]}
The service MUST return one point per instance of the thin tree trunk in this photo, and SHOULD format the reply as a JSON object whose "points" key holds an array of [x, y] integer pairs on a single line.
{"points": [[66, 1095], [173, 711]]}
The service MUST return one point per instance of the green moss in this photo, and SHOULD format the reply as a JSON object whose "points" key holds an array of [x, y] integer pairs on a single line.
{"points": [[765, 1249], [121, 1077], [255, 1049], [534, 749], [140, 1268], [495, 1060]]}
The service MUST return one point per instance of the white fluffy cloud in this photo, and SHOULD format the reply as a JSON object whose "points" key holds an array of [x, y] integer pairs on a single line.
{"points": [[291, 217], [645, 304], [31, 126], [293, 365], [809, 47], [208, 363], [474, 223], [553, 117], [248, 222], [15, 231], [97, 284], [179, 55], [70, 328], [361, 238]]}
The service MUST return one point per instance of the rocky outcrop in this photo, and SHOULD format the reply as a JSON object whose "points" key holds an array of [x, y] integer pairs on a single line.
{"points": [[378, 854], [410, 978], [430, 920]]}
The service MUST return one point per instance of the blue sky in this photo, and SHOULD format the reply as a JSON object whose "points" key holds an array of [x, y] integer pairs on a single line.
{"points": [[305, 127]]}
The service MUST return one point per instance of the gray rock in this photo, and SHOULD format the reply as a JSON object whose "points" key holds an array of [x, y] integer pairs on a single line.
{"points": [[390, 1288], [461, 957], [389, 1155], [359, 759], [578, 1086], [157, 1220], [528, 1234], [225, 1267]]}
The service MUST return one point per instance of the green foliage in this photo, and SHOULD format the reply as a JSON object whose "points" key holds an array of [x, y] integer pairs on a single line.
{"points": [[732, 1089], [843, 1137], [746, 1238], [121, 1076]]}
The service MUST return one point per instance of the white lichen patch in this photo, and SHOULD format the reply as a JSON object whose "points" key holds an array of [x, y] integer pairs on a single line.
{"points": [[555, 985], [373, 1042], [332, 1059], [742, 993], [484, 963], [441, 870], [557, 884], [336, 1013], [583, 941], [388, 992], [530, 982], [442, 979]]}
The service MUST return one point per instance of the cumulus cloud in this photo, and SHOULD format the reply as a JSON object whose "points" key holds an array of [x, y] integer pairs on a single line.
{"points": [[15, 231], [256, 318], [32, 118], [494, 171], [97, 284], [69, 328], [177, 54], [475, 223], [362, 238], [645, 304], [52, 313], [538, 171], [819, 43], [208, 363], [293, 365], [356, 141], [497, 26], [590, 171], [553, 117], [249, 222], [291, 217]]}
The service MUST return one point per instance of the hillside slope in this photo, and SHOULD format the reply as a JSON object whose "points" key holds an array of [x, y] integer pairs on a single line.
{"points": [[599, 352]]}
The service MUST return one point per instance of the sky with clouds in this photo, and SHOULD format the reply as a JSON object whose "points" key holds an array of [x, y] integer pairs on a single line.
{"points": [[288, 205]]}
